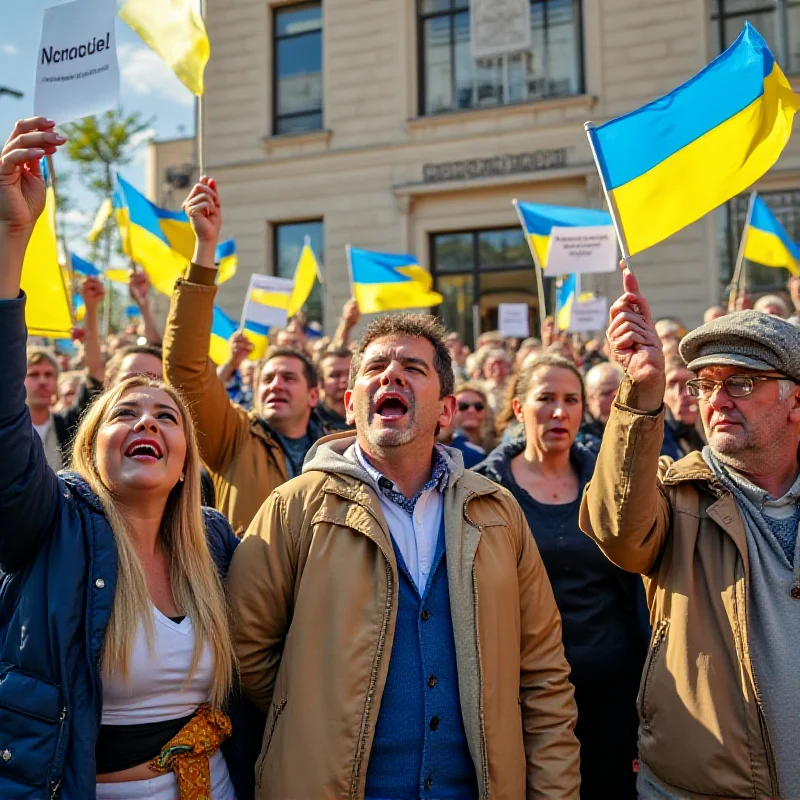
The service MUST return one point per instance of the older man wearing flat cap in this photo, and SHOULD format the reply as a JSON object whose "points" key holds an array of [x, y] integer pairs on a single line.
{"points": [[715, 537]]}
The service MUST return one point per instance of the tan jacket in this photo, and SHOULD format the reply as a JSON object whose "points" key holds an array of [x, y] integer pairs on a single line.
{"points": [[702, 730], [246, 463], [314, 589]]}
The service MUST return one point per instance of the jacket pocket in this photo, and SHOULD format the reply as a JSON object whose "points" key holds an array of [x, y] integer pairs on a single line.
{"points": [[654, 656], [32, 728], [275, 711]]}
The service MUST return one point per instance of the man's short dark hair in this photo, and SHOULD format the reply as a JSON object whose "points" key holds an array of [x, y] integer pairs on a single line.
{"points": [[420, 326], [285, 351], [115, 362]]}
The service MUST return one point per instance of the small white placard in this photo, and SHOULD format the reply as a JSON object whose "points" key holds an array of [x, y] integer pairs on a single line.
{"points": [[77, 73], [500, 27], [589, 316], [582, 250], [512, 320], [272, 315]]}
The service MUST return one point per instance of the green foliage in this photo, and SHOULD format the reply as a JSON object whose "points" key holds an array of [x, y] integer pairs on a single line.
{"points": [[101, 144]]}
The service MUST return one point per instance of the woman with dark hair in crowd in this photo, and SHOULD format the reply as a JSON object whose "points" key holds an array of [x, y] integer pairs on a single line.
{"points": [[602, 608], [116, 660]]}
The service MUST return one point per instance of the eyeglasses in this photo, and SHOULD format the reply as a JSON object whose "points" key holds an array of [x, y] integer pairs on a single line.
{"points": [[462, 406], [735, 385]]}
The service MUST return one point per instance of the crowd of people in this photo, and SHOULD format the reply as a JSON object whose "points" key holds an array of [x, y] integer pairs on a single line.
{"points": [[387, 566]]}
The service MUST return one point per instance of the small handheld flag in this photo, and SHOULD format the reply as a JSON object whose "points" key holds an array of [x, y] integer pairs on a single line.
{"points": [[767, 242], [222, 328], [672, 161], [566, 295], [305, 275], [82, 267], [266, 306], [387, 282], [103, 215]]}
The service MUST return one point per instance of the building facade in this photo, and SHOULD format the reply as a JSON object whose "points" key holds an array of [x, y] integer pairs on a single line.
{"points": [[369, 122]]}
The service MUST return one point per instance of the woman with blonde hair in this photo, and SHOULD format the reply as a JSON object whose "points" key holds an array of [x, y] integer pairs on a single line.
{"points": [[116, 663]]}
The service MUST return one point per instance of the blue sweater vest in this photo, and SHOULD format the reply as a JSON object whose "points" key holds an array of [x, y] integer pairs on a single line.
{"points": [[420, 749]]}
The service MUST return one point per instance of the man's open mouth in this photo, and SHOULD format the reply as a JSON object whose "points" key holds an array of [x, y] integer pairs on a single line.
{"points": [[391, 406]]}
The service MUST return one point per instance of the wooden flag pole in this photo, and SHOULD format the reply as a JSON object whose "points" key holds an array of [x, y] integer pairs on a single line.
{"points": [[612, 206], [537, 269], [739, 269]]}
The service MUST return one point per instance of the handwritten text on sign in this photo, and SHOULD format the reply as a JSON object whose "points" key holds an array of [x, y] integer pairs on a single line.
{"points": [[582, 250], [512, 320], [77, 74], [589, 315]]}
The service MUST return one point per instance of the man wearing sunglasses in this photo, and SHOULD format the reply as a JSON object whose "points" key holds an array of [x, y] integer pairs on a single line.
{"points": [[715, 537]]}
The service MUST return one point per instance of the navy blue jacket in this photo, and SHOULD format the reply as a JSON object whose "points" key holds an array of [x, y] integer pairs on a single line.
{"points": [[603, 609], [58, 573]]}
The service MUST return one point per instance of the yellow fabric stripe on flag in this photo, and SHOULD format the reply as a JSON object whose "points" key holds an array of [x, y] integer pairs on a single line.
{"points": [[259, 342], [541, 244], [422, 277], [103, 215], [305, 276], [49, 303], [175, 30], [708, 172], [118, 275], [375, 297], [766, 248], [271, 299]]}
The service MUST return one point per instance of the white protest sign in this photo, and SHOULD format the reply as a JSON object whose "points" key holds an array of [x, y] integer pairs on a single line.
{"points": [[267, 301], [77, 73], [589, 315], [582, 250], [512, 320]]}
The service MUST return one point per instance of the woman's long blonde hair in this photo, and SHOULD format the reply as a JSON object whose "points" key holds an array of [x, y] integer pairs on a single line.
{"points": [[196, 585]]}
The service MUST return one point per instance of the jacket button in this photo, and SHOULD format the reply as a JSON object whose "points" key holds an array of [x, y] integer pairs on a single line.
{"points": [[426, 615], [99, 583], [432, 681], [6, 755], [434, 723]]}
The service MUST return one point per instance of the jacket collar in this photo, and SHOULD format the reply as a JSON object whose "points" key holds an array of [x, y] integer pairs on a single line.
{"points": [[693, 468], [81, 488]]}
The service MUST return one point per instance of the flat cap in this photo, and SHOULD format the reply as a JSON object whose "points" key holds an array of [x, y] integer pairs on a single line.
{"points": [[747, 339]]}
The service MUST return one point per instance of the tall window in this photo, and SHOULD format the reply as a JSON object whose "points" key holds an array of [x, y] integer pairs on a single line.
{"points": [[778, 21], [451, 79], [483, 269], [730, 224], [297, 68], [289, 239]]}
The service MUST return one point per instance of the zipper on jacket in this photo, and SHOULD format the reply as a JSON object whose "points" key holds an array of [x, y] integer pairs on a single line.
{"points": [[262, 758], [373, 680], [55, 785], [658, 639], [762, 718], [484, 755]]}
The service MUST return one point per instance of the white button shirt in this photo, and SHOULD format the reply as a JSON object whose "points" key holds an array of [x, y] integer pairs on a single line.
{"points": [[414, 534]]}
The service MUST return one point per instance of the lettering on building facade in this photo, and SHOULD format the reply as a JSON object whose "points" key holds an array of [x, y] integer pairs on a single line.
{"points": [[495, 166]]}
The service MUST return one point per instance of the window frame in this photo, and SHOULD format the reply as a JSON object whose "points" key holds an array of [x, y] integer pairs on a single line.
{"points": [[476, 270], [451, 12], [276, 38], [274, 227]]}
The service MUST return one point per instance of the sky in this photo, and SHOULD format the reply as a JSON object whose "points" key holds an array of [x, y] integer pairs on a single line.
{"points": [[147, 86]]}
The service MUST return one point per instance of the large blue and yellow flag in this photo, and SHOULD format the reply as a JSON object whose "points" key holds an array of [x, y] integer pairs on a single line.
{"points": [[176, 31], [539, 220], [222, 328], [305, 276], [566, 294], [162, 241], [387, 282], [670, 162], [767, 242]]}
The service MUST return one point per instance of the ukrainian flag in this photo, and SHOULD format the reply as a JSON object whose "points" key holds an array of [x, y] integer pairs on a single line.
{"points": [[767, 242], [565, 299], [670, 162], [222, 328], [79, 307], [82, 267], [305, 275], [539, 220], [227, 260], [176, 31], [259, 336], [161, 241], [103, 215], [386, 282]]}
